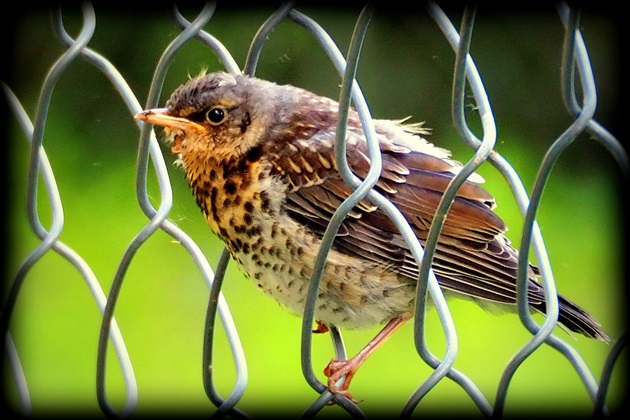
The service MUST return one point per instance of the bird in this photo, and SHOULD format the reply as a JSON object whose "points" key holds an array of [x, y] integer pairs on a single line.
{"points": [[259, 159]]}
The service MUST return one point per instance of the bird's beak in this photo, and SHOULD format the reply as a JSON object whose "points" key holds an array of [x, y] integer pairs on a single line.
{"points": [[160, 116]]}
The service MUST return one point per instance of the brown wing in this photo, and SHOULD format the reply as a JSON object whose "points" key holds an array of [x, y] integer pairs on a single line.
{"points": [[473, 257]]}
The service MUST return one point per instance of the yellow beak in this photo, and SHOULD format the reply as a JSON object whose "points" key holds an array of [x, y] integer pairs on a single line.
{"points": [[160, 116]]}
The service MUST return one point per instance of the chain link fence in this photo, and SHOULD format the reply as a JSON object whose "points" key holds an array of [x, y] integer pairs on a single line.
{"points": [[170, 233]]}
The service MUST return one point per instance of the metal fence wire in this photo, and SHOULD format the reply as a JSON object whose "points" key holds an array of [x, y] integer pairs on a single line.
{"points": [[45, 212]]}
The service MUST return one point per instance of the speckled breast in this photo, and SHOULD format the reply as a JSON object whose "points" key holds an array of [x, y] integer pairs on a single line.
{"points": [[243, 205]]}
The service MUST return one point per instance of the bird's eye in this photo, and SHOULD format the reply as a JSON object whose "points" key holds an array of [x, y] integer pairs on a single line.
{"points": [[216, 115]]}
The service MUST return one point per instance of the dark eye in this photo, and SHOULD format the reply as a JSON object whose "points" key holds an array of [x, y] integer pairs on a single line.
{"points": [[216, 115]]}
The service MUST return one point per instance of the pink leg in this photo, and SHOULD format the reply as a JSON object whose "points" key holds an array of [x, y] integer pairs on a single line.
{"points": [[336, 369]]}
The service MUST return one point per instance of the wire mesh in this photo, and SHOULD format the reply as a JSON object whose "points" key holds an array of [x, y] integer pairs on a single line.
{"points": [[150, 162]]}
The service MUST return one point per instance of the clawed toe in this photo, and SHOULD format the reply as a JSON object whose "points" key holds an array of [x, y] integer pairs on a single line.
{"points": [[321, 328], [337, 369]]}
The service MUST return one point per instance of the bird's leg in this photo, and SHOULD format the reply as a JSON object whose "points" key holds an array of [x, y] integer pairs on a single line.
{"points": [[336, 369]]}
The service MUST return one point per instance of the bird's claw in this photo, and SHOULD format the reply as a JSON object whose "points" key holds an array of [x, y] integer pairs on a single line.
{"points": [[337, 369], [321, 328]]}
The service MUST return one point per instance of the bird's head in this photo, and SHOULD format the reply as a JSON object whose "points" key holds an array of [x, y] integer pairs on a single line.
{"points": [[217, 116]]}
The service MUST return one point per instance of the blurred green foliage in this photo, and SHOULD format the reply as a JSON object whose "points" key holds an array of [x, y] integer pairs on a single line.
{"points": [[406, 69]]}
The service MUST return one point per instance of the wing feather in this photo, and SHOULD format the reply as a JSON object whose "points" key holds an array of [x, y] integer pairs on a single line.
{"points": [[473, 257]]}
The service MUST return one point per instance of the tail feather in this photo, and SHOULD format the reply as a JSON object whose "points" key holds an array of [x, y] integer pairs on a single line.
{"points": [[576, 319]]}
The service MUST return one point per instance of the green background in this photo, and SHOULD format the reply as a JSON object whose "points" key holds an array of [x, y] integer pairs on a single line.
{"points": [[406, 69]]}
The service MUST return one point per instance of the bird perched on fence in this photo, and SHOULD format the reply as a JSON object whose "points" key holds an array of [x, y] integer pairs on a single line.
{"points": [[259, 159]]}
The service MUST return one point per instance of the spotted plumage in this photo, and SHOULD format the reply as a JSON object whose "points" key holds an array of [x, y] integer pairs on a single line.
{"points": [[259, 159]]}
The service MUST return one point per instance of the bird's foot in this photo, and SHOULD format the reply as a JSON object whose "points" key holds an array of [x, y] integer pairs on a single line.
{"points": [[337, 369], [321, 327]]}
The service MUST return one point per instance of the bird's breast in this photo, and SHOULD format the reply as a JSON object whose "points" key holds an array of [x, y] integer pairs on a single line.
{"points": [[243, 205]]}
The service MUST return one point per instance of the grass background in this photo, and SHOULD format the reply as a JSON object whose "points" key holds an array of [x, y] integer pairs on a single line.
{"points": [[406, 69]]}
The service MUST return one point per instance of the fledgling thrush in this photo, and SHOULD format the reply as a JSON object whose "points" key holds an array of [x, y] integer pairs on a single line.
{"points": [[259, 159]]}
